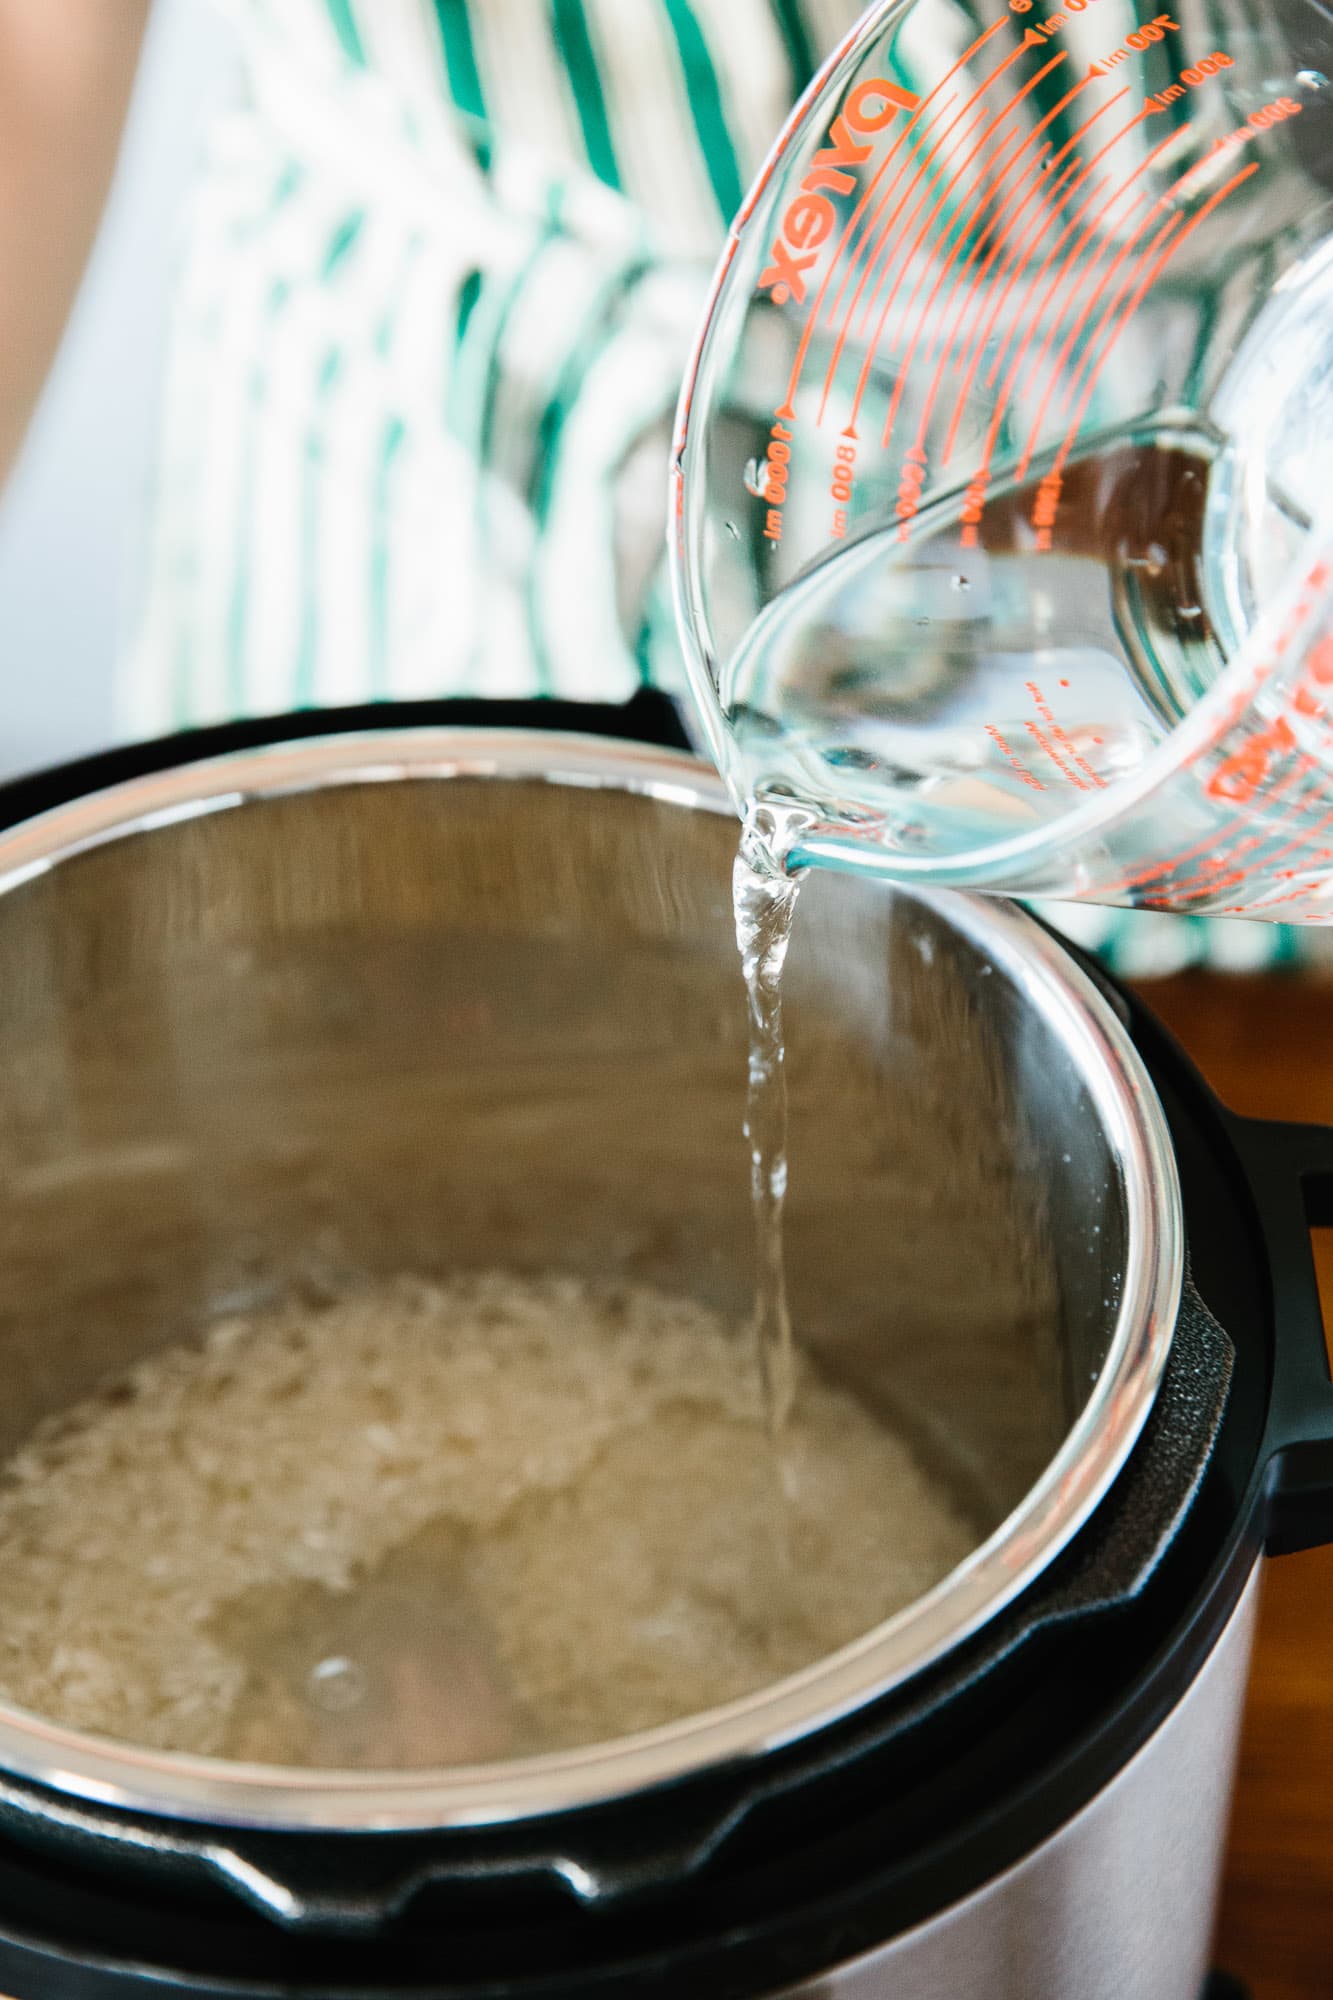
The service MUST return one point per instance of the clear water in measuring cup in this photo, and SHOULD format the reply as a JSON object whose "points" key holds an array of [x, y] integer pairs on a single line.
{"points": [[934, 695], [935, 700], [1010, 422]]}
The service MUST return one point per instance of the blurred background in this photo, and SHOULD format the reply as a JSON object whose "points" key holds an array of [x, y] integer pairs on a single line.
{"points": [[74, 513]]}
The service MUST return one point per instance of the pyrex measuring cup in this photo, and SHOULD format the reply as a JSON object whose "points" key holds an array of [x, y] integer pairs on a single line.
{"points": [[1003, 488]]}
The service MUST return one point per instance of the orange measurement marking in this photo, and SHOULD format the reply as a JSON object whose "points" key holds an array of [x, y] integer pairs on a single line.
{"points": [[1064, 187], [1240, 777], [991, 238], [1071, 225], [1034, 165], [1066, 385], [1136, 43], [1172, 237], [1052, 198], [1017, 245], [1206, 877], [1258, 121], [807, 333], [1012, 758], [1039, 736], [931, 98], [1169, 229], [1029, 319], [1012, 243], [933, 139], [1177, 238], [929, 166], [1026, 321], [994, 77], [957, 246], [909, 356], [1263, 797], [1176, 899], [904, 261], [1178, 896], [942, 343], [1005, 112], [1208, 846], [1056, 373], [1061, 734], [1192, 78], [1313, 859]]}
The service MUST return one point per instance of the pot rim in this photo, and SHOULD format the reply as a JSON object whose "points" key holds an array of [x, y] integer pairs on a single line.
{"points": [[1077, 1478]]}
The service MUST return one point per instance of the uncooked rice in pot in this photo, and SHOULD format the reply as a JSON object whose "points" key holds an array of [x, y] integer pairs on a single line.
{"points": [[443, 1522]]}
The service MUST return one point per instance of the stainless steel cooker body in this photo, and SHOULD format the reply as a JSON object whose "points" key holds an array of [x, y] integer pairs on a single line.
{"points": [[348, 1000], [1120, 1903]]}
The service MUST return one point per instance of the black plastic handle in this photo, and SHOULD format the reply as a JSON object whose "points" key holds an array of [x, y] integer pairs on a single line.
{"points": [[1290, 1169]]}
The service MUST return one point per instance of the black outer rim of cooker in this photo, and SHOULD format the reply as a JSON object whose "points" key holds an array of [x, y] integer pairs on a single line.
{"points": [[833, 1889]]}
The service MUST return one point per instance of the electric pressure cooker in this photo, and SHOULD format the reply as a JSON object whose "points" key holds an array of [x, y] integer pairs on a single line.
{"points": [[430, 987]]}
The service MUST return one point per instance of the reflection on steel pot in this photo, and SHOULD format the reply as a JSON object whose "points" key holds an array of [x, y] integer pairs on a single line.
{"points": [[352, 1003]]}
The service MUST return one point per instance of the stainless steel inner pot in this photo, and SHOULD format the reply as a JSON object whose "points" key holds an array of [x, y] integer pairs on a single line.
{"points": [[436, 999]]}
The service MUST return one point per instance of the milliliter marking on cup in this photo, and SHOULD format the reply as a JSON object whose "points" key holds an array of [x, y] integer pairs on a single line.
{"points": [[1137, 43]]}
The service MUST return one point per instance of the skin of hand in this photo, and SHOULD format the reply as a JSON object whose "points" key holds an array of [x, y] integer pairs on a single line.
{"points": [[66, 71]]}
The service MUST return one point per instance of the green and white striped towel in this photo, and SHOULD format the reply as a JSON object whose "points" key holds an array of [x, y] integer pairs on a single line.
{"points": [[437, 293]]}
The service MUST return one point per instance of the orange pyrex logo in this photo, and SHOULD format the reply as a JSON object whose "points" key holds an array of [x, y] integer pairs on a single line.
{"points": [[810, 215]]}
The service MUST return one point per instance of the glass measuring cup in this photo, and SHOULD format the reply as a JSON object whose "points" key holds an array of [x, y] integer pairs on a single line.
{"points": [[1003, 484]]}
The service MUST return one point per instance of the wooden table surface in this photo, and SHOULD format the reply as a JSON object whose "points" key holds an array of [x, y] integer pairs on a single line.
{"points": [[1267, 1048]]}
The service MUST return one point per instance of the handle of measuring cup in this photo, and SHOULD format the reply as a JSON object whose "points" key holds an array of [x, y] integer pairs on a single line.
{"points": [[1291, 1176]]}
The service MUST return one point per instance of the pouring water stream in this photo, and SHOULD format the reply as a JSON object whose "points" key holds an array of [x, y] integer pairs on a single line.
{"points": [[764, 895]]}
